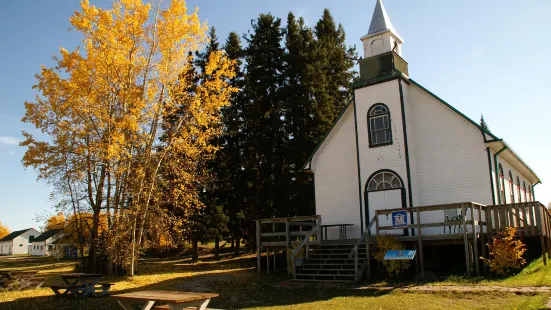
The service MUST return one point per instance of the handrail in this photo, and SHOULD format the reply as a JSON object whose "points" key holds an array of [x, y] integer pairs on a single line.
{"points": [[362, 238], [356, 248], [304, 241]]}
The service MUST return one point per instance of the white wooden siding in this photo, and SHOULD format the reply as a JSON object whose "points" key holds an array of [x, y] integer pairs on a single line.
{"points": [[450, 156], [336, 178]]}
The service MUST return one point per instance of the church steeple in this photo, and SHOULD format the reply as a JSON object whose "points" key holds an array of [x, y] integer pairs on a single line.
{"points": [[381, 37]]}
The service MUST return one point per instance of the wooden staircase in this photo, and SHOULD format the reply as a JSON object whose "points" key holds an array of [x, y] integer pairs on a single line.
{"points": [[330, 263]]}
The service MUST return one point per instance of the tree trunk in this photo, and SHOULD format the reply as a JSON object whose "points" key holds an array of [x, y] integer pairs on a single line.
{"points": [[194, 253], [237, 246], [217, 248]]}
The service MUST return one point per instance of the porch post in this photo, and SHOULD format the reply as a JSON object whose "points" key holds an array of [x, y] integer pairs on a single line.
{"points": [[258, 253]]}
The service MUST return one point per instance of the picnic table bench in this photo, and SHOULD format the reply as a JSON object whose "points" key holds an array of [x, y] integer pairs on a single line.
{"points": [[174, 300], [20, 280], [81, 285]]}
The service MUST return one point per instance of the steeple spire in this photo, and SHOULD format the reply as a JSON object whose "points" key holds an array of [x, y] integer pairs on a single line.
{"points": [[380, 21], [381, 37]]}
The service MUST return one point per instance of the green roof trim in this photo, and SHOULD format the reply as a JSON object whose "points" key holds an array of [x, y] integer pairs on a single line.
{"points": [[454, 109]]}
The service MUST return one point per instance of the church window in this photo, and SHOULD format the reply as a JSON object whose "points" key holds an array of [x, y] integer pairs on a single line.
{"points": [[511, 187], [529, 193], [502, 185], [518, 190], [524, 191], [383, 181], [378, 123]]}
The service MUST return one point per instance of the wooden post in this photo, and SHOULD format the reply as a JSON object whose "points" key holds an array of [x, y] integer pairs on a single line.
{"points": [[274, 256], [533, 220], [525, 221], [368, 258], [475, 243], [376, 224], [268, 260], [483, 237], [465, 241], [541, 231], [420, 241], [258, 253], [519, 221], [288, 249]]}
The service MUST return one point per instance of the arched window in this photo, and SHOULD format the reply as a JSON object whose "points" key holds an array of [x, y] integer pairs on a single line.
{"points": [[524, 191], [502, 185], [518, 190], [529, 193], [511, 187], [383, 181], [378, 123]]}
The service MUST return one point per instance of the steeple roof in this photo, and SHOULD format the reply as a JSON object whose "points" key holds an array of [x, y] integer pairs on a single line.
{"points": [[380, 21]]}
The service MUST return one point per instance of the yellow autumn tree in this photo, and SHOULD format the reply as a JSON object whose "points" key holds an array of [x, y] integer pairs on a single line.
{"points": [[4, 231], [106, 107], [56, 221]]}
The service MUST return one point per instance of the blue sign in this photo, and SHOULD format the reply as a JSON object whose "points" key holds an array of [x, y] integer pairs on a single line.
{"points": [[399, 254], [399, 219]]}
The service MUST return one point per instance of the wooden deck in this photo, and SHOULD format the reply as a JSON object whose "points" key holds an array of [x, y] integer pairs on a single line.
{"points": [[476, 226]]}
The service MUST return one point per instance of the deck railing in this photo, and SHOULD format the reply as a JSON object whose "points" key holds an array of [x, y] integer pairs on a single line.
{"points": [[477, 221], [286, 232]]}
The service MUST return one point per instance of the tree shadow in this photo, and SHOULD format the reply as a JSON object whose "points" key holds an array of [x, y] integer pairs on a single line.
{"points": [[238, 289]]}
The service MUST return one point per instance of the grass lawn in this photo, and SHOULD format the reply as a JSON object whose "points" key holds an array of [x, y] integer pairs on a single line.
{"points": [[535, 274], [240, 287]]}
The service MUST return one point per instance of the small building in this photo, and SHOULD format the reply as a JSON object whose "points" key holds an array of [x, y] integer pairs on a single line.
{"points": [[46, 243], [18, 242]]}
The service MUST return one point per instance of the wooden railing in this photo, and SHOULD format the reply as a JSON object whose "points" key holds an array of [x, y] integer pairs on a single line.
{"points": [[359, 270], [282, 233], [477, 223]]}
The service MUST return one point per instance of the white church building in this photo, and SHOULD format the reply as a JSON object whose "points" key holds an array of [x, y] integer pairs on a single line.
{"points": [[399, 145]]}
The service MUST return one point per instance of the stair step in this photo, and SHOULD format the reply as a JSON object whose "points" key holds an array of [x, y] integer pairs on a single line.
{"points": [[324, 277], [327, 271], [328, 266], [324, 280], [336, 251], [334, 261]]}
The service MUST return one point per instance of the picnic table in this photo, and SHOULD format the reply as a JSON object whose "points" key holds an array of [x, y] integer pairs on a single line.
{"points": [[174, 300], [81, 285], [19, 280]]}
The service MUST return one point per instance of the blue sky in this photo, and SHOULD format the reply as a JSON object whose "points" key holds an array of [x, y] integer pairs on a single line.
{"points": [[483, 57]]}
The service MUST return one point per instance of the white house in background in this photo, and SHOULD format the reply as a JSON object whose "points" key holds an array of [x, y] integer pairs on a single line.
{"points": [[18, 242], [399, 145], [44, 244]]}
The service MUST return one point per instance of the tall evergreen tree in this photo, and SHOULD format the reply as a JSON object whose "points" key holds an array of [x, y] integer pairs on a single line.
{"points": [[333, 69], [209, 223], [263, 118], [299, 111], [231, 189]]}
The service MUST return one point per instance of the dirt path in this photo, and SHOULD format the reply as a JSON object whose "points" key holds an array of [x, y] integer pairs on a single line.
{"points": [[524, 290]]}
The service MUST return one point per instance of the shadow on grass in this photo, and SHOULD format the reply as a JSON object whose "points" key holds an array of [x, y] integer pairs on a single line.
{"points": [[238, 289]]}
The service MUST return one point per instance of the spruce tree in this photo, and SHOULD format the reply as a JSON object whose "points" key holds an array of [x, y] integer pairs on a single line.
{"points": [[231, 188], [263, 118], [209, 223], [299, 109], [333, 69]]}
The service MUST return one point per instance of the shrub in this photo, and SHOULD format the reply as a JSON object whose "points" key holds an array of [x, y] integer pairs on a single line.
{"points": [[385, 243], [506, 253]]}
